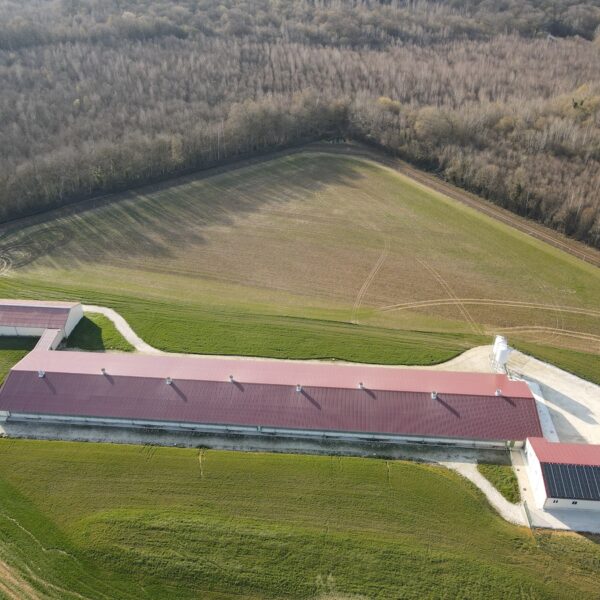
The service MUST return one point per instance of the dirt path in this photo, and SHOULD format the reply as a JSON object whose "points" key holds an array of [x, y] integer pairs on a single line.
{"points": [[13, 586], [513, 513], [123, 328]]}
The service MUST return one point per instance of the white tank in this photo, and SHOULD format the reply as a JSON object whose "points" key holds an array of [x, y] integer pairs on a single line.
{"points": [[500, 351]]}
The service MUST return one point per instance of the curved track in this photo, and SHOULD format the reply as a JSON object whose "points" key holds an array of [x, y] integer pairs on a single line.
{"points": [[488, 302]]}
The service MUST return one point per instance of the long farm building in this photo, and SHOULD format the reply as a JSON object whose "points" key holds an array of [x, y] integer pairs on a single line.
{"points": [[262, 397]]}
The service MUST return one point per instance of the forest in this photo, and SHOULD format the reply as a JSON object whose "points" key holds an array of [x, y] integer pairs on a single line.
{"points": [[500, 97]]}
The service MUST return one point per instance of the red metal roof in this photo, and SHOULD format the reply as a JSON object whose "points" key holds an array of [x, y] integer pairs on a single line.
{"points": [[33, 313], [566, 454], [277, 372], [322, 408]]}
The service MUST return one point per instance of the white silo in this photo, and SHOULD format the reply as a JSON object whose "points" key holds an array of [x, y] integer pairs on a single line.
{"points": [[500, 353]]}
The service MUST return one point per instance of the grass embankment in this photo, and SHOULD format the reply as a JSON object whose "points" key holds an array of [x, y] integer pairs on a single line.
{"points": [[310, 256], [182, 326], [583, 364], [97, 333], [12, 350], [140, 522], [503, 479]]}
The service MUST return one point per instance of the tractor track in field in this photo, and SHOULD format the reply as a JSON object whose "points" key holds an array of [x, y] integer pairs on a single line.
{"points": [[14, 586], [488, 302], [369, 280], [21, 253], [457, 301], [554, 330], [557, 331]]}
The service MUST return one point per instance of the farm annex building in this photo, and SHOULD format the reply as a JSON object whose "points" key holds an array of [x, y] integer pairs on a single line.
{"points": [[259, 396]]}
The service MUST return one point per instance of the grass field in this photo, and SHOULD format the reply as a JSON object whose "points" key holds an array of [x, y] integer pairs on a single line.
{"points": [[97, 333], [503, 478], [12, 350], [124, 522], [310, 256]]}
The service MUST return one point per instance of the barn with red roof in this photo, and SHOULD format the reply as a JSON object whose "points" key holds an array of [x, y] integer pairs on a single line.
{"points": [[257, 397]]}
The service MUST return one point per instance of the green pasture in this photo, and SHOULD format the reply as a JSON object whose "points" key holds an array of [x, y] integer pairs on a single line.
{"points": [[108, 521]]}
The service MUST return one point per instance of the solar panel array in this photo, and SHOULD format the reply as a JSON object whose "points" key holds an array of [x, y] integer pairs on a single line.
{"points": [[578, 482]]}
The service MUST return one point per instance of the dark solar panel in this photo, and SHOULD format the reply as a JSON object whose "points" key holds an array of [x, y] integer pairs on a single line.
{"points": [[572, 481]]}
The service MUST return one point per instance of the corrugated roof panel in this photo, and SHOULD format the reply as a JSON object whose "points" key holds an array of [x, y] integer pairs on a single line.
{"points": [[271, 405], [36, 316], [277, 372]]}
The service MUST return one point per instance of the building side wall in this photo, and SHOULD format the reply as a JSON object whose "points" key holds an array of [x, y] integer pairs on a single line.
{"points": [[75, 315], [235, 441], [254, 431], [6, 330], [536, 479], [571, 504]]}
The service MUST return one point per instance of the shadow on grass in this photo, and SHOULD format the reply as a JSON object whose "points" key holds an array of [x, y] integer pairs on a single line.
{"points": [[10, 342], [86, 336], [151, 221]]}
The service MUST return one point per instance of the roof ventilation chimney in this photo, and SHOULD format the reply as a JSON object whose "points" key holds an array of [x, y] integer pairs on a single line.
{"points": [[361, 386], [231, 378], [298, 388], [434, 395], [169, 381], [103, 371], [41, 373], [498, 392]]}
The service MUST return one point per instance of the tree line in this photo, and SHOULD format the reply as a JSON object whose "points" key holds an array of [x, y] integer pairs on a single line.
{"points": [[500, 98]]}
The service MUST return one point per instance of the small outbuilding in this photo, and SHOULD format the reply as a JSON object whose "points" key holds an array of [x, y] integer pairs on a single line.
{"points": [[33, 317], [564, 475]]}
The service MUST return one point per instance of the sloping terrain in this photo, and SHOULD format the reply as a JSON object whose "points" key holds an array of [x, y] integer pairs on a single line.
{"points": [[99, 520], [309, 255]]}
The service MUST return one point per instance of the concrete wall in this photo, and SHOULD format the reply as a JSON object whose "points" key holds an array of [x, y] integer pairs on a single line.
{"points": [[270, 432], [555, 503], [22, 331], [75, 315], [242, 442]]}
